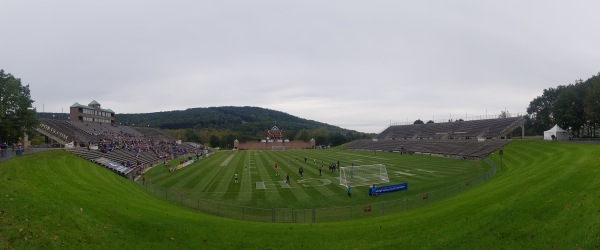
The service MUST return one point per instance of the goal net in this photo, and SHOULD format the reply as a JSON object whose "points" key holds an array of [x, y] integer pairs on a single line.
{"points": [[363, 175], [277, 148]]}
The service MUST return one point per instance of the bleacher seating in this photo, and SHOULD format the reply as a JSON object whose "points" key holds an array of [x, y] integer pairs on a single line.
{"points": [[122, 149], [489, 128], [463, 139], [153, 133]]}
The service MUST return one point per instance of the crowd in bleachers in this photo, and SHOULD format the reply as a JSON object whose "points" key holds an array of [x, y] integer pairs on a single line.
{"points": [[462, 139], [125, 150]]}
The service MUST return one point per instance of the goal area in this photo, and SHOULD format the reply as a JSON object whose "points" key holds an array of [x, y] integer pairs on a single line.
{"points": [[363, 175]]}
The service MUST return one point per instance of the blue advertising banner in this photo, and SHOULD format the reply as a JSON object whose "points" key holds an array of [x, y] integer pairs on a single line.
{"points": [[388, 189]]}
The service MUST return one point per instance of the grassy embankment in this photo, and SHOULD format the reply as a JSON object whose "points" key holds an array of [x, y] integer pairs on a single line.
{"points": [[548, 195]]}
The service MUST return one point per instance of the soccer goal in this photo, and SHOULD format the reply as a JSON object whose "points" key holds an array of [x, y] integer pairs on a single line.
{"points": [[277, 148], [363, 175]]}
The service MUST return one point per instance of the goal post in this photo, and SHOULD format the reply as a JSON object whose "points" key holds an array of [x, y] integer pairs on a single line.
{"points": [[277, 148], [363, 175]]}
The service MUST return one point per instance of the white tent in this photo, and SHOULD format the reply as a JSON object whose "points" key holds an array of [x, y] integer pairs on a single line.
{"points": [[559, 133]]}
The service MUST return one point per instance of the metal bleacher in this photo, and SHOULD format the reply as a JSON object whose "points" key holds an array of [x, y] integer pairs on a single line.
{"points": [[464, 139], [111, 146]]}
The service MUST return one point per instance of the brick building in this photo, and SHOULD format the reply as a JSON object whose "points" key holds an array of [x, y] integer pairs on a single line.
{"points": [[91, 113]]}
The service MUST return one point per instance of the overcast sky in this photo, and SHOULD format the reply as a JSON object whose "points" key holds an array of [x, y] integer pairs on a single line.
{"points": [[355, 64]]}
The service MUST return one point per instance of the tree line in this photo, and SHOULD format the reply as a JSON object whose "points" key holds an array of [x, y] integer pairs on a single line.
{"points": [[220, 126], [575, 107]]}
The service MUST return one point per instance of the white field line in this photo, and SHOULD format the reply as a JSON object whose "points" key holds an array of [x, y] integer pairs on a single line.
{"points": [[226, 161], [403, 173]]}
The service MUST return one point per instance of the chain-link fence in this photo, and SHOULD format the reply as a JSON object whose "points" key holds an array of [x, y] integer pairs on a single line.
{"points": [[9, 153], [314, 215]]}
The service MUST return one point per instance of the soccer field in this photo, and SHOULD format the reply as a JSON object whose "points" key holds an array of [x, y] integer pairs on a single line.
{"points": [[544, 197], [213, 178]]}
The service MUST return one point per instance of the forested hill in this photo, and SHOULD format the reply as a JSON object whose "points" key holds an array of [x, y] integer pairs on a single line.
{"points": [[247, 118], [221, 125]]}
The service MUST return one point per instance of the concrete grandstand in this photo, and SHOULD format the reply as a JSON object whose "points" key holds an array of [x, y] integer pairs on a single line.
{"points": [[91, 133], [461, 139]]}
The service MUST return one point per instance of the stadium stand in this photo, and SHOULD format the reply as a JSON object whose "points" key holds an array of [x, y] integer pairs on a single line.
{"points": [[461, 139], [92, 134], [124, 150]]}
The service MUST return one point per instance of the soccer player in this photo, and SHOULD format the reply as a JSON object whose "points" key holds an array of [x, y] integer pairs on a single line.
{"points": [[287, 178], [321, 169], [349, 194], [276, 169], [236, 177]]}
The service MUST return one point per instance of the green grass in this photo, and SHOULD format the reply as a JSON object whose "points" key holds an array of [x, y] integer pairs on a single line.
{"points": [[547, 196], [213, 178]]}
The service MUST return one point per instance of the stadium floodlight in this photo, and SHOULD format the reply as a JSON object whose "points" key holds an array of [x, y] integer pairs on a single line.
{"points": [[363, 175]]}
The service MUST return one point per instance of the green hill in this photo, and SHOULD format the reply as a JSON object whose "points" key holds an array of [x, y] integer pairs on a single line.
{"points": [[547, 196], [230, 123]]}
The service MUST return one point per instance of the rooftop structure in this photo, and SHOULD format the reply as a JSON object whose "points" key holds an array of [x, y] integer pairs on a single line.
{"points": [[92, 113]]}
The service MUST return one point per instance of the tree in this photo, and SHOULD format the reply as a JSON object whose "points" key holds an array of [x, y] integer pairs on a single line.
{"points": [[227, 140], [17, 114], [191, 136], [214, 141], [321, 135], [418, 121], [349, 136], [591, 104], [337, 139], [568, 108], [541, 110], [303, 136], [430, 122]]}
